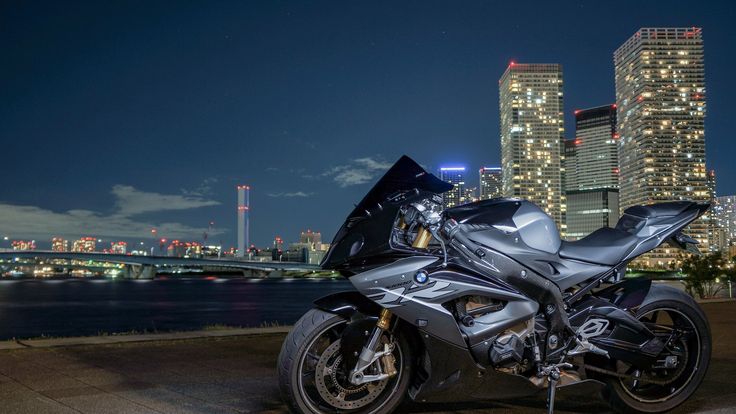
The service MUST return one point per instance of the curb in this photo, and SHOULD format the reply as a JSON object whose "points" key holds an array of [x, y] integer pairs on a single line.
{"points": [[119, 339]]}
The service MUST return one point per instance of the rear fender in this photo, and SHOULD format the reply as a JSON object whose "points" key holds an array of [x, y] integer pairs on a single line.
{"points": [[627, 294]]}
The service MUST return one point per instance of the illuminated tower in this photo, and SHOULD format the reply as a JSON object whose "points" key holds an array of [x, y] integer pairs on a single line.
{"points": [[591, 172], [490, 182], [532, 135], [456, 177], [243, 219], [661, 103]]}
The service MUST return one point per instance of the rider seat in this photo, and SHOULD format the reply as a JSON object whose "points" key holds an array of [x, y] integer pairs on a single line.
{"points": [[604, 246]]}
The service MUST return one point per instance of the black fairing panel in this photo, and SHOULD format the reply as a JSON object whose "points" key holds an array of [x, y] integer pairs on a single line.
{"points": [[366, 232]]}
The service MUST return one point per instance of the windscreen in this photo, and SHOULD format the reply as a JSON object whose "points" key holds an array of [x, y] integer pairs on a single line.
{"points": [[367, 230]]}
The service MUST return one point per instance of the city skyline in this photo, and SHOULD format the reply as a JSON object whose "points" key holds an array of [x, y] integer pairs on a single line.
{"points": [[150, 137]]}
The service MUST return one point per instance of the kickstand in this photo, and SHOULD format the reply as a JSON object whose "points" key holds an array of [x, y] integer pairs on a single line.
{"points": [[553, 377]]}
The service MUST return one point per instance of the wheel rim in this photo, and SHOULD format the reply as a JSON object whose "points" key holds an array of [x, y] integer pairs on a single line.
{"points": [[682, 340], [323, 384]]}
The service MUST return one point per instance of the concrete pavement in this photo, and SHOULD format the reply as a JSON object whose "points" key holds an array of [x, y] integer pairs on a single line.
{"points": [[236, 374]]}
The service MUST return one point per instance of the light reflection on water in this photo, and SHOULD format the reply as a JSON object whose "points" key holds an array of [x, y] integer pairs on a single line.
{"points": [[70, 307]]}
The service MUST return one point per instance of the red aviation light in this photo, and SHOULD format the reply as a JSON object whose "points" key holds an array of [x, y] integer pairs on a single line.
{"points": [[614, 106], [616, 170], [616, 136]]}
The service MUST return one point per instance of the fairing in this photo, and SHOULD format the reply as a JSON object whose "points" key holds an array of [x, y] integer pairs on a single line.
{"points": [[367, 230]]}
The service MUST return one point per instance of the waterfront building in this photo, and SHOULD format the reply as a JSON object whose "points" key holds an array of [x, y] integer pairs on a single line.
{"points": [[491, 184], [310, 237], [532, 136], [661, 103], [59, 244], [179, 248], [84, 245], [119, 247], [23, 244], [456, 177], [591, 172]]}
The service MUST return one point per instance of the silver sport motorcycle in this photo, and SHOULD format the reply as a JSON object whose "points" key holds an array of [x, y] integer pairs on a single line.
{"points": [[484, 301]]}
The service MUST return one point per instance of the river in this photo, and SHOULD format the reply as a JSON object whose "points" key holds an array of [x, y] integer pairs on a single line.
{"points": [[31, 308]]}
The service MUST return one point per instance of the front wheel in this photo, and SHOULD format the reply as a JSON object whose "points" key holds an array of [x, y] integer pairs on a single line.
{"points": [[313, 378], [680, 323]]}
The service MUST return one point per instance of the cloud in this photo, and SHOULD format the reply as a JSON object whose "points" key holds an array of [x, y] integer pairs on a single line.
{"points": [[293, 194], [39, 223], [131, 202], [203, 189], [359, 171]]}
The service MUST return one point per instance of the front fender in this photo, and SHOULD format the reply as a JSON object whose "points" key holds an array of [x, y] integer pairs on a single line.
{"points": [[347, 303]]}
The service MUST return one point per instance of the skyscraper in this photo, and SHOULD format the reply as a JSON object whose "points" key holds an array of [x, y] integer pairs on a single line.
{"points": [[491, 183], [724, 215], [532, 135], [591, 172], [660, 94], [456, 177]]}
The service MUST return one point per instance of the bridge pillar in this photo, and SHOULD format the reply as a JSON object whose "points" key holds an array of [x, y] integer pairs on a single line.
{"points": [[139, 272], [276, 273]]}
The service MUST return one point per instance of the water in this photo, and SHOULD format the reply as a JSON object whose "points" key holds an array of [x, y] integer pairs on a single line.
{"points": [[75, 307]]}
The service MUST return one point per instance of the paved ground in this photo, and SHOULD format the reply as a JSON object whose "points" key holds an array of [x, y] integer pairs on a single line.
{"points": [[236, 374]]}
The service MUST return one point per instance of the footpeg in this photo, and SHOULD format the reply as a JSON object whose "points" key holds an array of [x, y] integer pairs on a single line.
{"points": [[591, 328], [583, 347]]}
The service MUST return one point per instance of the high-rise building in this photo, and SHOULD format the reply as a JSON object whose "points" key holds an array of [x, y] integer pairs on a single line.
{"points": [[532, 135], [724, 215], [570, 177], [470, 195], [491, 183], [59, 244], [660, 94], [596, 153], [456, 177], [84, 245], [591, 172]]}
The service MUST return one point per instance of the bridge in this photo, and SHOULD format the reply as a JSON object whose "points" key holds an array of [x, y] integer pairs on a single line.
{"points": [[146, 267]]}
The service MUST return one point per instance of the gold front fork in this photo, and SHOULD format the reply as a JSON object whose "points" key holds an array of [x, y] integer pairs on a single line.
{"points": [[384, 320], [423, 239]]}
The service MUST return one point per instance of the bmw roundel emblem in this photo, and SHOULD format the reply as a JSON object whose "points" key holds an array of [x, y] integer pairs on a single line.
{"points": [[421, 277]]}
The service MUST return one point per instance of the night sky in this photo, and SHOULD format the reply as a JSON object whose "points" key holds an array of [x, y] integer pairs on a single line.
{"points": [[116, 118]]}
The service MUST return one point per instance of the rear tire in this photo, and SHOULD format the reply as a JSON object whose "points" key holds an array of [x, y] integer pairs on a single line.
{"points": [[623, 399], [300, 342]]}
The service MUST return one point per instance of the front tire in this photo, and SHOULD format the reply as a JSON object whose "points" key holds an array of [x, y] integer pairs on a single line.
{"points": [[310, 350], [667, 304]]}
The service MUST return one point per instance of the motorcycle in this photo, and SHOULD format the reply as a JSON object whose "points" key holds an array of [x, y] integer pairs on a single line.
{"points": [[484, 301]]}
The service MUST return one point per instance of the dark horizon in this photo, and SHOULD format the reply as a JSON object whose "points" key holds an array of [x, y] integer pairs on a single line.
{"points": [[131, 115]]}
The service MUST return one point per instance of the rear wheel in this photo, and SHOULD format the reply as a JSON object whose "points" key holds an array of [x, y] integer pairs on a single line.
{"points": [[314, 379], [679, 369]]}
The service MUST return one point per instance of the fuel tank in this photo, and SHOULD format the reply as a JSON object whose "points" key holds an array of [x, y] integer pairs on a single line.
{"points": [[508, 225]]}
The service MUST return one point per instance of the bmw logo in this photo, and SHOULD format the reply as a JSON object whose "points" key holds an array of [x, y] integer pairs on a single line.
{"points": [[421, 277]]}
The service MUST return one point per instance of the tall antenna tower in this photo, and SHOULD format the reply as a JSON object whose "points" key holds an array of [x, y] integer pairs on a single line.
{"points": [[243, 219]]}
